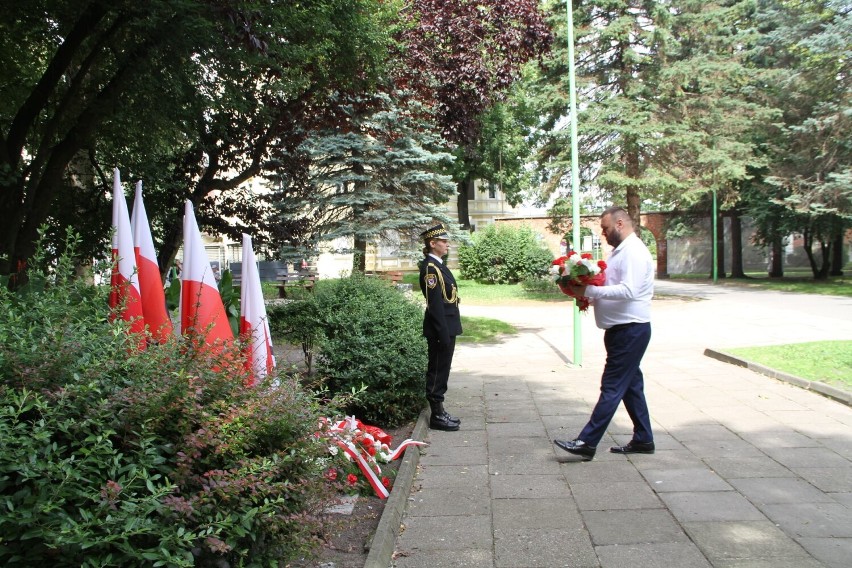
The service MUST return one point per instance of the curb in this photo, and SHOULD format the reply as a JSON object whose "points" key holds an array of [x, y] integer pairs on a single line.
{"points": [[831, 392], [384, 540]]}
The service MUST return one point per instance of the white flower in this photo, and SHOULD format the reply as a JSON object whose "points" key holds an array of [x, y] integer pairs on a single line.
{"points": [[333, 450], [554, 270]]}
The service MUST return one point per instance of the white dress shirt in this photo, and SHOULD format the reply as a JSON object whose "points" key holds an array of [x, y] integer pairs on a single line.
{"points": [[626, 294]]}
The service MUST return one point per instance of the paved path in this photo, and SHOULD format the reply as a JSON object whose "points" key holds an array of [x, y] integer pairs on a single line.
{"points": [[749, 471]]}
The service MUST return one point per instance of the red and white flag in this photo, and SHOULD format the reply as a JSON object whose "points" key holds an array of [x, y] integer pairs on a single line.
{"points": [[124, 298], [150, 283], [202, 313], [254, 327]]}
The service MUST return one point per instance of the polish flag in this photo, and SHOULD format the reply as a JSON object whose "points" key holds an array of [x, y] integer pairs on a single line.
{"points": [[124, 298], [254, 327], [201, 310], [151, 285]]}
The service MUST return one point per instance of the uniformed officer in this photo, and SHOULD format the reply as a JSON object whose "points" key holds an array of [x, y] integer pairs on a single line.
{"points": [[441, 323]]}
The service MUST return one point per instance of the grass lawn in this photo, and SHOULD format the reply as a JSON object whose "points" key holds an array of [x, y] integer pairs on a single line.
{"points": [[797, 282], [483, 330], [829, 362]]}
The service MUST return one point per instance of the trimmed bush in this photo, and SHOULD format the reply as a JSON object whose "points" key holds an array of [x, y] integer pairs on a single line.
{"points": [[114, 457], [372, 337], [500, 254]]}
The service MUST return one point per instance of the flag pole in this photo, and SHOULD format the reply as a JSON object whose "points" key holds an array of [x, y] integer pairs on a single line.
{"points": [[575, 177]]}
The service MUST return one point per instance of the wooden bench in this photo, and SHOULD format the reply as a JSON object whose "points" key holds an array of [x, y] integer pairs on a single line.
{"points": [[392, 276], [304, 278]]}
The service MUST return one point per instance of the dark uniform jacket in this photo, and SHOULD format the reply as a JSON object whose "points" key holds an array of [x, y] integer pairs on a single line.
{"points": [[441, 319]]}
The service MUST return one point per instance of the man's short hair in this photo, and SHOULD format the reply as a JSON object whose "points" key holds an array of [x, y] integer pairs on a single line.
{"points": [[617, 213]]}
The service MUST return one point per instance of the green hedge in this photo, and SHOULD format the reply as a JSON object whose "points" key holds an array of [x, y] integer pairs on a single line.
{"points": [[500, 254], [368, 335], [114, 457]]}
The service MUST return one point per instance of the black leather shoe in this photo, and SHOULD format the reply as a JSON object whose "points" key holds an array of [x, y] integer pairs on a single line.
{"points": [[451, 418], [577, 447], [442, 422], [633, 447]]}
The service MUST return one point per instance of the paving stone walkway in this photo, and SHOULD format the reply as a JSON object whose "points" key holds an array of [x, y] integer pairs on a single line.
{"points": [[749, 471]]}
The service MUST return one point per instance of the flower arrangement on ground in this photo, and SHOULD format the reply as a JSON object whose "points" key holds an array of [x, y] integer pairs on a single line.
{"points": [[578, 270], [355, 450]]}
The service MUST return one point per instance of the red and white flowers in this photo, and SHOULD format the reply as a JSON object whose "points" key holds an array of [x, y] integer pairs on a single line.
{"points": [[578, 270], [363, 446]]}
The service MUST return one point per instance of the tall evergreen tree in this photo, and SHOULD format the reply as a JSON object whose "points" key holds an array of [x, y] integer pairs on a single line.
{"points": [[382, 177], [807, 46]]}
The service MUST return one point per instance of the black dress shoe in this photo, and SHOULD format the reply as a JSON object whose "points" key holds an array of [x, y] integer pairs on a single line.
{"points": [[633, 447], [577, 447], [443, 422]]}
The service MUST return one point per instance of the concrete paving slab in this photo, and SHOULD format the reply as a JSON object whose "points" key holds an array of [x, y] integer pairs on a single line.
{"points": [[811, 520], [511, 413], [755, 540], [741, 467], [779, 490], [807, 457], [831, 552], [769, 563], [710, 506], [447, 533], [722, 448], [613, 496], [543, 548], [537, 460], [533, 427], [453, 455], [598, 471], [651, 555], [633, 527], [787, 439], [448, 502], [458, 476], [512, 514], [529, 486], [464, 437], [665, 459], [470, 558], [704, 432], [698, 479]]}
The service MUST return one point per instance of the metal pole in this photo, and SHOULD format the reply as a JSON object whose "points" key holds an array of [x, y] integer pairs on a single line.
{"points": [[715, 240], [575, 176]]}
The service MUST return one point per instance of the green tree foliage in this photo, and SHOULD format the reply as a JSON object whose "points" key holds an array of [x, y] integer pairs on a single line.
{"points": [[501, 254], [381, 177], [462, 58], [806, 48], [193, 98], [112, 456]]}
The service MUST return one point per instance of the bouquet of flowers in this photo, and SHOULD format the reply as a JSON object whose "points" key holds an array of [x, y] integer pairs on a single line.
{"points": [[360, 447], [578, 270]]}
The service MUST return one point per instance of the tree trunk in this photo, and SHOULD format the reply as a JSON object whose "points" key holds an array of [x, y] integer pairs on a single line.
{"points": [[631, 163], [736, 245], [776, 260], [464, 188], [720, 245], [837, 255], [359, 258]]}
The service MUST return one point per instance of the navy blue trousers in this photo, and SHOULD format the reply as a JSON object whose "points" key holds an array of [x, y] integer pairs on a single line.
{"points": [[622, 381]]}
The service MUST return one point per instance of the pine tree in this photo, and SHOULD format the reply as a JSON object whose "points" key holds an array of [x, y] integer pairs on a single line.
{"points": [[383, 177]]}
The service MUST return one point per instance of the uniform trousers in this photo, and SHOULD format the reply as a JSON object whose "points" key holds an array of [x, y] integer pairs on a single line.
{"points": [[438, 368], [622, 380]]}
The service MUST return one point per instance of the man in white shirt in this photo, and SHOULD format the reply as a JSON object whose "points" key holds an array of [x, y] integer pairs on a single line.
{"points": [[622, 308]]}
